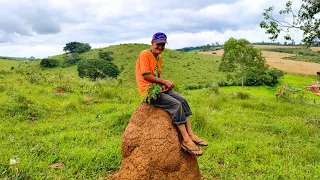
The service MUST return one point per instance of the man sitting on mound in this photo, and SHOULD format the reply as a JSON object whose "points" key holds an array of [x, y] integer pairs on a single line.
{"points": [[158, 92]]}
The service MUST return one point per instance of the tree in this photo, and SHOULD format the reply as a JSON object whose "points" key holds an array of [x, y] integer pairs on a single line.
{"points": [[32, 58], [241, 58], [305, 20], [96, 68], [76, 47], [107, 56]]}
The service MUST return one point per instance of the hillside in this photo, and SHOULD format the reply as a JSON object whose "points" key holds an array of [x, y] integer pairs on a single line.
{"points": [[184, 69], [55, 125]]}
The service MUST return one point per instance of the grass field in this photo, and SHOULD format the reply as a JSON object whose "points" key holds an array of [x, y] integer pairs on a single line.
{"points": [[55, 125]]}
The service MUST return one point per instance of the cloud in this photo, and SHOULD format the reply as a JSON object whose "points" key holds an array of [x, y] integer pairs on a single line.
{"points": [[31, 24], [27, 18]]}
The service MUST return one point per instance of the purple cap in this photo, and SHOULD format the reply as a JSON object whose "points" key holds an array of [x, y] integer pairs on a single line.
{"points": [[159, 37]]}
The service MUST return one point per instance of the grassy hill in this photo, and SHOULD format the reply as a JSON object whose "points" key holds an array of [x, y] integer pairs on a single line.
{"points": [[55, 125], [185, 69]]}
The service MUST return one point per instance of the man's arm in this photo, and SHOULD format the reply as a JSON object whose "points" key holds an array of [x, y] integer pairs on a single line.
{"points": [[160, 81]]}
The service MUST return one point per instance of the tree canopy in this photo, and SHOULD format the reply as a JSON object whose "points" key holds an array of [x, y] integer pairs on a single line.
{"points": [[76, 47], [248, 63], [305, 20]]}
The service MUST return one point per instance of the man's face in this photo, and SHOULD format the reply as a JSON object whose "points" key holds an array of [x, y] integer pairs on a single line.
{"points": [[157, 48]]}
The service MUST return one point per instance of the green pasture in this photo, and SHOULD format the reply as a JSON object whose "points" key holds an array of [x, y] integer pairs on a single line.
{"points": [[55, 125]]}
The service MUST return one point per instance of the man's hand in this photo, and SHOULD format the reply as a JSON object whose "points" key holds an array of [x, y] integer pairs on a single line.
{"points": [[169, 84], [150, 78], [164, 88]]}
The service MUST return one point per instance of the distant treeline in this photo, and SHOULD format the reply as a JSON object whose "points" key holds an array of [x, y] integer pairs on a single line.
{"points": [[18, 58], [313, 44], [217, 46], [208, 47]]}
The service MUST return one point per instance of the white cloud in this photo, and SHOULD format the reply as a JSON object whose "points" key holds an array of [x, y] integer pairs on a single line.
{"points": [[42, 27]]}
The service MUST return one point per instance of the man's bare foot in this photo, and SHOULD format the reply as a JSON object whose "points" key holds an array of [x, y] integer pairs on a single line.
{"points": [[198, 141], [191, 147]]}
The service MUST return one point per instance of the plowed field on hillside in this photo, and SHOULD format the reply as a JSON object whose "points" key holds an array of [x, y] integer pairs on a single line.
{"points": [[274, 60]]}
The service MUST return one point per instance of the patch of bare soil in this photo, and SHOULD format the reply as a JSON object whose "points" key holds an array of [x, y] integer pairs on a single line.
{"points": [[214, 53], [274, 59], [273, 47], [315, 49]]}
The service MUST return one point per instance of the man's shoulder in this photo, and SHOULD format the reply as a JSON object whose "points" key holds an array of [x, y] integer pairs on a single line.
{"points": [[145, 52]]}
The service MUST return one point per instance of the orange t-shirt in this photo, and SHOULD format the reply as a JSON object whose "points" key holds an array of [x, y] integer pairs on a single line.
{"points": [[146, 64]]}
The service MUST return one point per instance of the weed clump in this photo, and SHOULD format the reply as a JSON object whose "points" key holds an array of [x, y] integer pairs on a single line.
{"points": [[240, 95], [292, 95]]}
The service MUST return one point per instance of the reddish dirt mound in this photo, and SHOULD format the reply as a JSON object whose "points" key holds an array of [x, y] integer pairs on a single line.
{"points": [[151, 149], [61, 90]]}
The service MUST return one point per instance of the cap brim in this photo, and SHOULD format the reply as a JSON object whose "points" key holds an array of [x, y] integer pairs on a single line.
{"points": [[160, 41]]}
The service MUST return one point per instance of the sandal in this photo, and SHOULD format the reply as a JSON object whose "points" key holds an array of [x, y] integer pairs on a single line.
{"points": [[199, 143], [185, 149]]}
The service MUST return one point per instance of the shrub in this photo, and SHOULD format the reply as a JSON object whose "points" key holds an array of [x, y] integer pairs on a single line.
{"points": [[252, 77], [95, 68], [49, 63], [71, 59], [228, 80], [107, 56], [215, 89], [293, 96], [275, 74], [268, 77]]}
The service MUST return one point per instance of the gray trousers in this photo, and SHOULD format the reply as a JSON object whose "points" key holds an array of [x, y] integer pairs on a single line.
{"points": [[173, 103]]}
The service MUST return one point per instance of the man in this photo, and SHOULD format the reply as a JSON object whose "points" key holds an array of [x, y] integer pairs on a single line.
{"points": [[148, 70]]}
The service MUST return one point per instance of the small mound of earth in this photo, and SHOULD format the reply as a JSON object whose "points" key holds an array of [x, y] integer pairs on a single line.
{"points": [[151, 148]]}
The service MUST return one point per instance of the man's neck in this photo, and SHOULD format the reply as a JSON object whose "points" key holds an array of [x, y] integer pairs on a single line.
{"points": [[155, 55]]}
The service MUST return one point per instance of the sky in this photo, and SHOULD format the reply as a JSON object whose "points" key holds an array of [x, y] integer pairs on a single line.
{"points": [[41, 28]]}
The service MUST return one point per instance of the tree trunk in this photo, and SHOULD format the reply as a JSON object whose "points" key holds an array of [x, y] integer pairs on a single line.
{"points": [[242, 83]]}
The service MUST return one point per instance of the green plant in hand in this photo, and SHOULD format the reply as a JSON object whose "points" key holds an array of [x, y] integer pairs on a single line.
{"points": [[152, 92]]}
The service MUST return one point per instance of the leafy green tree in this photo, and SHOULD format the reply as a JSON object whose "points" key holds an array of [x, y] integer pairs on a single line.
{"points": [[107, 56], [241, 58], [49, 63], [76, 47], [96, 68], [32, 58], [305, 20]]}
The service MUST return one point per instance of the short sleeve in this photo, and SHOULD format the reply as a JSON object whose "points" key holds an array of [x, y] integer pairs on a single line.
{"points": [[144, 64]]}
